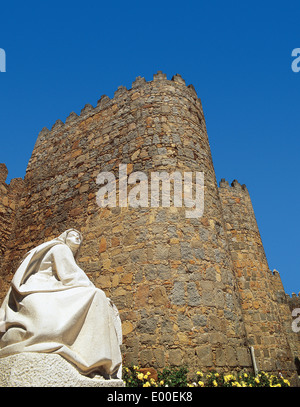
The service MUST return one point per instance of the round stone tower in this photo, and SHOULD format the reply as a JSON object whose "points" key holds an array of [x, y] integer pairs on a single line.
{"points": [[169, 272]]}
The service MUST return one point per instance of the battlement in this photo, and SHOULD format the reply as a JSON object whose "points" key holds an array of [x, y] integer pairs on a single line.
{"points": [[15, 185], [3, 173], [293, 296], [10, 195], [121, 93], [235, 185], [293, 301], [275, 274]]}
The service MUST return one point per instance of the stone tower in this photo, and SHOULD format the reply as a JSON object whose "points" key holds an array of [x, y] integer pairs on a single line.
{"points": [[191, 291]]}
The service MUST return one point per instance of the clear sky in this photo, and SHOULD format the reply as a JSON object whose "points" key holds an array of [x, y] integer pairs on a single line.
{"points": [[61, 55]]}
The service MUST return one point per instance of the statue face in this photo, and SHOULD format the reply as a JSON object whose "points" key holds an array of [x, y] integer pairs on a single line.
{"points": [[73, 239]]}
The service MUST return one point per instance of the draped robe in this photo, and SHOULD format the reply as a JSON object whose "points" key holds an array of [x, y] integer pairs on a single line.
{"points": [[53, 307]]}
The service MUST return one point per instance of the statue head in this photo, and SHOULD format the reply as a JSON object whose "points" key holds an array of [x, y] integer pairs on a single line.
{"points": [[73, 239]]}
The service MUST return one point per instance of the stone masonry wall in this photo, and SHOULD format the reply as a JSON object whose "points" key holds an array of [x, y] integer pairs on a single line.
{"points": [[286, 305], [185, 289], [171, 277], [9, 200], [263, 322], [293, 303]]}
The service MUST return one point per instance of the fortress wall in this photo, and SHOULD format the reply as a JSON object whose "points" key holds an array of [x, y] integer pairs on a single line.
{"points": [[9, 200], [284, 311], [170, 276], [191, 291], [293, 303], [261, 313], [287, 305]]}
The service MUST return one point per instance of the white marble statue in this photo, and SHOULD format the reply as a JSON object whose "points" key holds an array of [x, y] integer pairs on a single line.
{"points": [[53, 307]]}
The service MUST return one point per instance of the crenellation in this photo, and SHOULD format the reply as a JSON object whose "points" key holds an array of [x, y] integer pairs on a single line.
{"points": [[139, 81], [3, 173], [178, 79], [72, 116], [120, 92], [194, 92], [57, 125], [88, 108], [223, 183], [235, 185], [159, 76], [103, 101], [44, 132], [16, 187], [288, 297]]}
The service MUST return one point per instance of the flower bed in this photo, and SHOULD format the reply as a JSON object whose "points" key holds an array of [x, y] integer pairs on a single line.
{"points": [[134, 376]]}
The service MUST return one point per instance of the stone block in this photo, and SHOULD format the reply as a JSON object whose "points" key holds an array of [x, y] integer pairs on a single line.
{"points": [[178, 293], [46, 370], [243, 356], [204, 355], [194, 298], [175, 357]]}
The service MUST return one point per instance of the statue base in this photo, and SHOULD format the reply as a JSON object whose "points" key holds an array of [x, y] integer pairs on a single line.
{"points": [[46, 370]]}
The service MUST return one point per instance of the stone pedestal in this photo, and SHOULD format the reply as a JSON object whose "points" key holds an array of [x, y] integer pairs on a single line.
{"points": [[46, 370]]}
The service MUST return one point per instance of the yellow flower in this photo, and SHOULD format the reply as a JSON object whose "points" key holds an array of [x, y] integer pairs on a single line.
{"points": [[236, 384], [217, 375], [147, 384], [245, 375], [256, 380], [201, 384], [215, 383], [229, 377], [200, 373], [140, 376]]}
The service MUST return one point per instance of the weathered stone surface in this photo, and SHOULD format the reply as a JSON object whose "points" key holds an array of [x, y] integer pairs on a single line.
{"points": [[257, 285], [157, 266], [46, 370]]}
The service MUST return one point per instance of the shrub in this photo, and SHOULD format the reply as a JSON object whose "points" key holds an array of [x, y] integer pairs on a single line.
{"points": [[178, 377], [174, 377]]}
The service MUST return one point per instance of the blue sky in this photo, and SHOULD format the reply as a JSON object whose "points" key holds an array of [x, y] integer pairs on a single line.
{"points": [[62, 55]]}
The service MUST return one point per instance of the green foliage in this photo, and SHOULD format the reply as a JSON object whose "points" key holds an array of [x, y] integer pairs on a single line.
{"points": [[178, 377], [174, 377], [244, 379], [132, 377]]}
